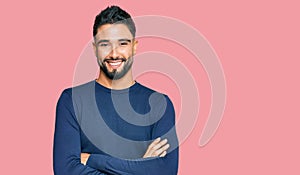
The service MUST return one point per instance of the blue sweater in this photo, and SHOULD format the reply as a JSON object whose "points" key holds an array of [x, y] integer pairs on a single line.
{"points": [[115, 127]]}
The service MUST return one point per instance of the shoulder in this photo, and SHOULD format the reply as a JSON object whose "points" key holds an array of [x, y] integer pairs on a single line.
{"points": [[147, 90], [158, 97], [69, 92]]}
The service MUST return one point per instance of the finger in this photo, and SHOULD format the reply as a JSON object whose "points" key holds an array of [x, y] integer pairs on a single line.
{"points": [[160, 144], [157, 147], [156, 141], [149, 150], [161, 150], [163, 154]]}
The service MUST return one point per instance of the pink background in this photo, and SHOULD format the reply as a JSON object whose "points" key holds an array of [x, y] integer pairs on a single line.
{"points": [[258, 46]]}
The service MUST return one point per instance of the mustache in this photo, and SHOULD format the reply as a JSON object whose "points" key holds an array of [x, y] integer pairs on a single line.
{"points": [[114, 59]]}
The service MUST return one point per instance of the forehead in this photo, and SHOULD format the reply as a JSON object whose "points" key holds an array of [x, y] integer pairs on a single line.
{"points": [[113, 32]]}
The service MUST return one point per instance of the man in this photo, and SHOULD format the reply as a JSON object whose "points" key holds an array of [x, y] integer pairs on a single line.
{"points": [[114, 125]]}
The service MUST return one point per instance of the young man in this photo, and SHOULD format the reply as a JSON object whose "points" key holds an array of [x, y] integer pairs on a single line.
{"points": [[114, 125]]}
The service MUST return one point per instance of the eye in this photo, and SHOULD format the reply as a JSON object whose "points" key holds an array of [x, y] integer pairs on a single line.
{"points": [[124, 43], [103, 44]]}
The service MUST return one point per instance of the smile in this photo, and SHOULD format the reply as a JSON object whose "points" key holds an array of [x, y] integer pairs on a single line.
{"points": [[114, 64]]}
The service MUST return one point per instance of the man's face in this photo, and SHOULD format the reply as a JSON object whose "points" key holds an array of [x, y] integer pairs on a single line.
{"points": [[114, 47]]}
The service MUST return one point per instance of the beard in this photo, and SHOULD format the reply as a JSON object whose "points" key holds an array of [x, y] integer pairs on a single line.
{"points": [[115, 74]]}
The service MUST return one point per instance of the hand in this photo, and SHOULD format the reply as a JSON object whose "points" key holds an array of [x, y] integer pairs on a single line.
{"points": [[84, 158], [157, 148]]}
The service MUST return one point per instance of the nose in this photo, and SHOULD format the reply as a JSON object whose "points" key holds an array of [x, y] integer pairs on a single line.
{"points": [[114, 52]]}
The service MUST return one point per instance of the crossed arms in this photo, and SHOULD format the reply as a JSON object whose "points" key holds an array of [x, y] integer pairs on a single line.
{"points": [[68, 158]]}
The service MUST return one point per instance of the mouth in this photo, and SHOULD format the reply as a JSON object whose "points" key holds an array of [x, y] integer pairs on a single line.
{"points": [[114, 64]]}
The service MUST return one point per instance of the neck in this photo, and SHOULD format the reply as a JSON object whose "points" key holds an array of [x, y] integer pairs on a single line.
{"points": [[122, 83]]}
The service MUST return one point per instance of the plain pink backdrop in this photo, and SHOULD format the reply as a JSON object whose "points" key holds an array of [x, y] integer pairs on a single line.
{"points": [[257, 43]]}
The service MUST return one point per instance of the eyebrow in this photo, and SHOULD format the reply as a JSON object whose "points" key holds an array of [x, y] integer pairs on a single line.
{"points": [[128, 40], [105, 40]]}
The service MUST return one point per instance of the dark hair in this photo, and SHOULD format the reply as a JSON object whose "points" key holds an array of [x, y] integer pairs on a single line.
{"points": [[114, 15]]}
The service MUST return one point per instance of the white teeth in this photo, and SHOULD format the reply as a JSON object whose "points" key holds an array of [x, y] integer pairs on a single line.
{"points": [[115, 64]]}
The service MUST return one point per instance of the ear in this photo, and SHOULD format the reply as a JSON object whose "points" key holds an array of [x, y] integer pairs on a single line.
{"points": [[135, 43], [95, 48]]}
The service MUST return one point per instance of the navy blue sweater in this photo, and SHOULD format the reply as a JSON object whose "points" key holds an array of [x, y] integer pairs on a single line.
{"points": [[115, 127]]}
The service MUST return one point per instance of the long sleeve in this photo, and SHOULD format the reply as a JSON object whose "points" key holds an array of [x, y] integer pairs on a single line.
{"points": [[67, 145], [159, 166]]}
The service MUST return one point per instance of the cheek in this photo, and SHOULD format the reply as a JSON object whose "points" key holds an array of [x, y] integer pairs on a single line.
{"points": [[126, 52], [101, 55]]}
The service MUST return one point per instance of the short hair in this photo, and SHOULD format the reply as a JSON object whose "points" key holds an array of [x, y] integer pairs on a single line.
{"points": [[114, 15]]}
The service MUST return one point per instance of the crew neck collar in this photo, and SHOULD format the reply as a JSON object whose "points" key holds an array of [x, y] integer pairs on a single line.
{"points": [[125, 90]]}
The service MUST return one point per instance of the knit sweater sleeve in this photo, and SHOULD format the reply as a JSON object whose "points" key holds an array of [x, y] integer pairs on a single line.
{"points": [[67, 145], [165, 128]]}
